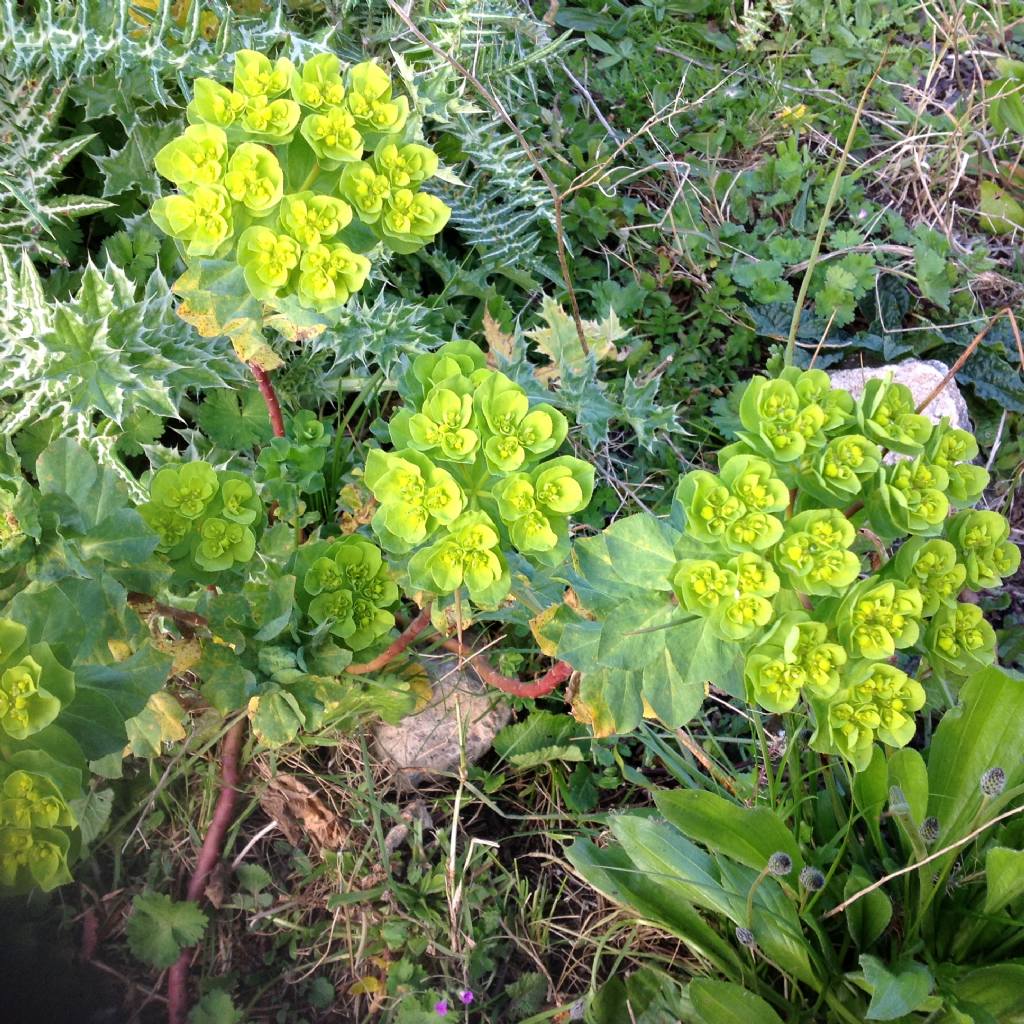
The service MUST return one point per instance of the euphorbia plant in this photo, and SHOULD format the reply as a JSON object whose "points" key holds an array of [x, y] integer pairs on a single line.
{"points": [[473, 475], [820, 568], [290, 182]]}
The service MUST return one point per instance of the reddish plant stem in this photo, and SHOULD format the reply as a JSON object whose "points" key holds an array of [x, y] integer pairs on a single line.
{"points": [[544, 684], [270, 397], [209, 855], [187, 621], [413, 630]]}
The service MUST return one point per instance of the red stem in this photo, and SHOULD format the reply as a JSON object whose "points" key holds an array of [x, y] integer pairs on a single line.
{"points": [[555, 676], [270, 397], [413, 630], [209, 855]]}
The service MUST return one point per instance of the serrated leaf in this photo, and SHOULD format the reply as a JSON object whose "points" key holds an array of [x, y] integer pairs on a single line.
{"points": [[234, 419], [540, 731], [131, 167], [159, 928], [215, 1008], [560, 341]]}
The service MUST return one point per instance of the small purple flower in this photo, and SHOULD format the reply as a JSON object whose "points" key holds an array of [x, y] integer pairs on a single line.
{"points": [[441, 1008], [465, 997]]}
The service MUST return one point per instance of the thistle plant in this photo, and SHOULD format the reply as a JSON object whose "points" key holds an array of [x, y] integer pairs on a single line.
{"points": [[297, 176], [473, 474]]}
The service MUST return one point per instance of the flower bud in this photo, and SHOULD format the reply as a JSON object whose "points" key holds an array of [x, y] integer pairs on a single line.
{"points": [[929, 830], [780, 864], [745, 937], [812, 879], [993, 782]]}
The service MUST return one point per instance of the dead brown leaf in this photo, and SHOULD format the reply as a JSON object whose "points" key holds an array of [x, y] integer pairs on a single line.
{"points": [[498, 342], [301, 814]]}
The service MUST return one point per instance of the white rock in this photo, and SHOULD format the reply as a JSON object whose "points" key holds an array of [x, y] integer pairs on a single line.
{"points": [[462, 714], [922, 376]]}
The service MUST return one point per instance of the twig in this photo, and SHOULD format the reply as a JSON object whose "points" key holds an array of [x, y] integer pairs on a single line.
{"points": [[209, 855], [921, 863], [701, 755], [969, 351], [805, 281], [270, 397], [413, 630]]}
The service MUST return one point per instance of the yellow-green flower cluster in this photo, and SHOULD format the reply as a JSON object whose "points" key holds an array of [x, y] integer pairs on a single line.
{"points": [[345, 588], [474, 472], [36, 822], [34, 686], [270, 172], [206, 519], [808, 504], [35, 827]]}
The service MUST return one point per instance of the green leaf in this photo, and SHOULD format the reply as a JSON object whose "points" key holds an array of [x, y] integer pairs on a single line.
{"points": [[66, 469], [672, 695], [541, 738], [215, 1008], [908, 770], [159, 929], [234, 419], [672, 861], [131, 167], [93, 813], [123, 539], [610, 700], [646, 996], [871, 788], [217, 302], [699, 657], [635, 634], [160, 721], [227, 685], [107, 696], [985, 730], [933, 273], [724, 1002], [1004, 877], [896, 992], [278, 718], [997, 990], [749, 835], [869, 916], [610, 871], [640, 548]]}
